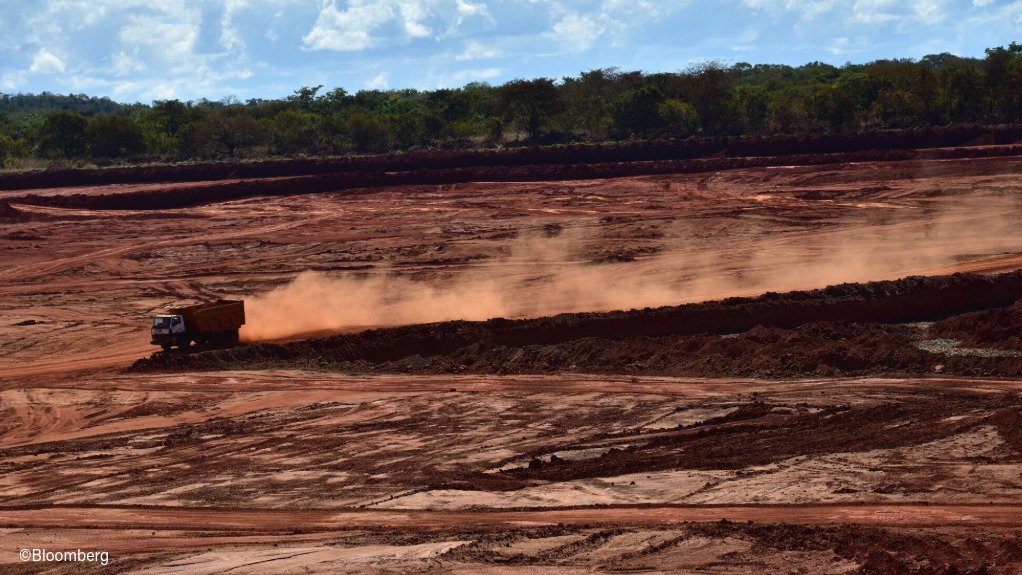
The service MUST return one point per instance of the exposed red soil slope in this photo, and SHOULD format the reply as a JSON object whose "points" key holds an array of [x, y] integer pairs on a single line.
{"points": [[359, 181], [643, 151], [997, 327]]}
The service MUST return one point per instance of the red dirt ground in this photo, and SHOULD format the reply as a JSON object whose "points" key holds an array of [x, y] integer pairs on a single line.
{"points": [[568, 444]]}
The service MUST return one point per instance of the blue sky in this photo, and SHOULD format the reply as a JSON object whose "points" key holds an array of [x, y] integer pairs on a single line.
{"points": [[141, 50]]}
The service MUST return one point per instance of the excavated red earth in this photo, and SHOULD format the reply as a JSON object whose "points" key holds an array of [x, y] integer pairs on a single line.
{"points": [[997, 327], [643, 151], [361, 182], [833, 331], [582, 162], [564, 443]]}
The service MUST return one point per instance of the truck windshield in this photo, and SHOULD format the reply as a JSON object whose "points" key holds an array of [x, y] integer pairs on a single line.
{"points": [[161, 323]]}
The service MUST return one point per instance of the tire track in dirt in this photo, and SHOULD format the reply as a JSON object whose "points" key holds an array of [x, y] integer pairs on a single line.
{"points": [[51, 267]]}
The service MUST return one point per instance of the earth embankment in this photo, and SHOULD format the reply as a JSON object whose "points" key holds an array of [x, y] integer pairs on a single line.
{"points": [[641, 151], [840, 330]]}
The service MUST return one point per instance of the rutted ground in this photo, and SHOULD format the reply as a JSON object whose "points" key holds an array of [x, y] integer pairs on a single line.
{"points": [[264, 449], [322, 470]]}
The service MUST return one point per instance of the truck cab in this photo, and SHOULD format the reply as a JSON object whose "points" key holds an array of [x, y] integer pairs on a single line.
{"points": [[168, 330]]}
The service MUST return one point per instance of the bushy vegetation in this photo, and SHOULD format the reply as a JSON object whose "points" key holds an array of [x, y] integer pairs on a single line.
{"points": [[598, 105]]}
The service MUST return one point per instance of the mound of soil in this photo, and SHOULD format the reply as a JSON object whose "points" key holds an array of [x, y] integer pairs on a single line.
{"points": [[364, 181], [1001, 328], [642, 151], [839, 330], [10, 214]]}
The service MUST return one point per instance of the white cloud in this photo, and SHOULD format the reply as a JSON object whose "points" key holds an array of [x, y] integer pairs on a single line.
{"points": [[122, 64], [467, 10], [930, 12], [125, 88], [171, 39], [927, 12], [271, 33], [476, 50], [1003, 18], [839, 46], [46, 62], [577, 33], [230, 36], [412, 15], [12, 80], [874, 11], [348, 30], [462, 77], [982, 3], [379, 82], [361, 24], [619, 22], [806, 9]]}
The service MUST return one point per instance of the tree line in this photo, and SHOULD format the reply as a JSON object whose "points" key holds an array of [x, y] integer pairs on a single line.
{"points": [[598, 105]]}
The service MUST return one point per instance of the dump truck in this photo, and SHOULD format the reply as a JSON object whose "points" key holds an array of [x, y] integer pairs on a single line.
{"points": [[210, 325]]}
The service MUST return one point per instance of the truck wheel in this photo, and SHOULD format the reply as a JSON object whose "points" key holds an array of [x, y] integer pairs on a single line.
{"points": [[232, 339], [166, 347], [183, 344]]}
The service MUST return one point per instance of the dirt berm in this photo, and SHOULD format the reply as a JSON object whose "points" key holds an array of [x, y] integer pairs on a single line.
{"points": [[1001, 328], [844, 329], [364, 181], [649, 150]]}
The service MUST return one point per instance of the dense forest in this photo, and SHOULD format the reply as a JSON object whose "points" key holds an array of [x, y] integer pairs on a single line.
{"points": [[599, 105]]}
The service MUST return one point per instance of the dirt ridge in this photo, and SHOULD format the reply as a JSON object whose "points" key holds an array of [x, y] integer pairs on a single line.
{"points": [[603, 338], [646, 150], [365, 181]]}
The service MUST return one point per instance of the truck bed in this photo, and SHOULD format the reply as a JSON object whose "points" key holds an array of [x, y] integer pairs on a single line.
{"points": [[219, 316]]}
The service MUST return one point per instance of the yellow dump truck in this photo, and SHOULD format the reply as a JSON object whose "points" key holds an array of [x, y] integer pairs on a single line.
{"points": [[210, 325]]}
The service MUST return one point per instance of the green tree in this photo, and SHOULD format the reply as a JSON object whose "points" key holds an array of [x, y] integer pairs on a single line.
{"points": [[8, 148], [224, 133], [62, 135], [753, 104], [111, 136], [636, 111], [168, 116], [367, 132], [304, 97], [529, 103], [1002, 70], [677, 117], [896, 109], [587, 102], [787, 114], [407, 128], [295, 131], [959, 94], [832, 108], [711, 85], [162, 125]]}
